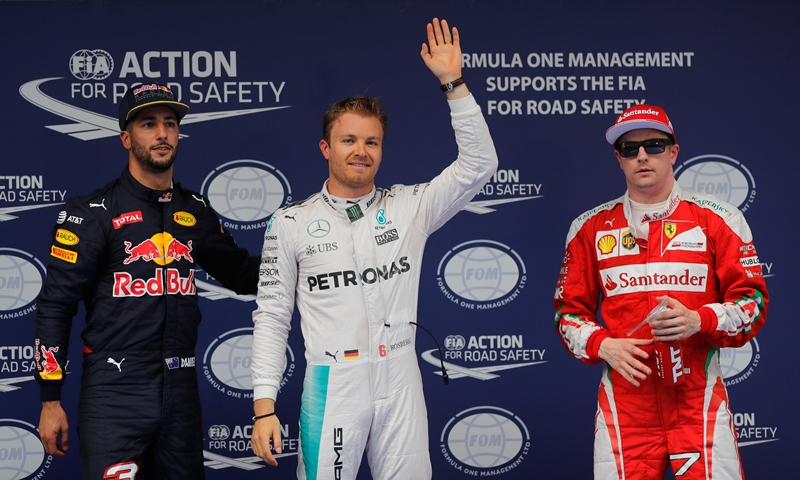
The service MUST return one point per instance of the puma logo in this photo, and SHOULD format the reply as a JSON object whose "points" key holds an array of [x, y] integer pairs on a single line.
{"points": [[117, 364], [333, 355], [101, 204]]}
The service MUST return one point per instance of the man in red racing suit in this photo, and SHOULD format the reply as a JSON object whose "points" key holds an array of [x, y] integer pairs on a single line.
{"points": [[659, 242]]}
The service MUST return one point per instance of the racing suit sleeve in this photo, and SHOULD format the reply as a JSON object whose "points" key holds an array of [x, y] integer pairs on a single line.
{"points": [[743, 290], [274, 307], [477, 161], [76, 253], [232, 265], [577, 298]]}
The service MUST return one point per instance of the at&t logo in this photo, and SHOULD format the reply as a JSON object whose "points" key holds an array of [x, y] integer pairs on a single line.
{"points": [[246, 193], [227, 360], [21, 453], [21, 278], [721, 176], [481, 274], [485, 441]]}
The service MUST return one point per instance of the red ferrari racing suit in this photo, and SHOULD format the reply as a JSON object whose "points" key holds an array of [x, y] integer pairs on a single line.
{"points": [[699, 250]]}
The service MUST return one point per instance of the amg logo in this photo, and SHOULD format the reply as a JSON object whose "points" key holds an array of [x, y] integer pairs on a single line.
{"points": [[387, 237], [338, 442]]}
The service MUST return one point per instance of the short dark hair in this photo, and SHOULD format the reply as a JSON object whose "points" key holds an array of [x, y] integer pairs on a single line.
{"points": [[360, 105]]}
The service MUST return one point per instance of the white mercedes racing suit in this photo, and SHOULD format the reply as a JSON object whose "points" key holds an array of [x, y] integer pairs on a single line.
{"points": [[353, 269]]}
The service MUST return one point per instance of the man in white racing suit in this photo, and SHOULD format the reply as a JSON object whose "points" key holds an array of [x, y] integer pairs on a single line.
{"points": [[350, 258]]}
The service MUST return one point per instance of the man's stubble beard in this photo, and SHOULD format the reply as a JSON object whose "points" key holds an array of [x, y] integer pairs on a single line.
{"points": [[146, 161]]}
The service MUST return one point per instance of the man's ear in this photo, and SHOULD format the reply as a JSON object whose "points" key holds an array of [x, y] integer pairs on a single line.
{"points": [[125, 137], [325, 149]]}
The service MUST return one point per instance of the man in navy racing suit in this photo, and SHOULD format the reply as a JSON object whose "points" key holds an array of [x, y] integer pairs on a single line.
{"points": [[129, 251], [350, 258]]}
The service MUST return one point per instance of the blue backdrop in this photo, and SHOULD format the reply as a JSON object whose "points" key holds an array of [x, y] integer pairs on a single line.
{"points": [[550, 79]]}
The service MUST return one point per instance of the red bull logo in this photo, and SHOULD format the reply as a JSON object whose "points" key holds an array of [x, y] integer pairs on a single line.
{"points": [[49, 367], [147, 251], [127, 286], [161, 248], [176, 250]]}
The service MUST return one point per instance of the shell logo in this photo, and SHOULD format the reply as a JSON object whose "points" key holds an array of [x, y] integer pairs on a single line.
{"points": [[606, 244]]}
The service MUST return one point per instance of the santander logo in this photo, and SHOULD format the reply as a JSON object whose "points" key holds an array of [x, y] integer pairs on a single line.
{"points": [[687, 277]]}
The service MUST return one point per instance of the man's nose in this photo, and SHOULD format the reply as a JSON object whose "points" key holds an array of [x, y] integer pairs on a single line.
{"points": [[361, 149], [161, 130]]}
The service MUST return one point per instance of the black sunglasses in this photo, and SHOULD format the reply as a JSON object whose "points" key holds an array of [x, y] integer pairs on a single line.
{"points": [[652, 146]]}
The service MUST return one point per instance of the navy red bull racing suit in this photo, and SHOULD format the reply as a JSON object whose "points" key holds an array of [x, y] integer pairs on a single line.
{"points": [[130, 254], [353, 269], [699, 250]]}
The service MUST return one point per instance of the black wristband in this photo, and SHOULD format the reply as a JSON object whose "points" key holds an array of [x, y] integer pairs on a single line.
{"points": [[449, 86], [258, 417]]}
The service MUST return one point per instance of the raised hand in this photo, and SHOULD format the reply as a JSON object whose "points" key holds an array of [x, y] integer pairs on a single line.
{"points": [[442, 53]]}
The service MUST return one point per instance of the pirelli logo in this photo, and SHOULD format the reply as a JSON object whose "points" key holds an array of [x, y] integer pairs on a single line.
{"points": [[64, 254]]}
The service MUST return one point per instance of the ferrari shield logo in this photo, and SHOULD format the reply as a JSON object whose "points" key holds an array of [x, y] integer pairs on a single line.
{"points": [[670, 229]]}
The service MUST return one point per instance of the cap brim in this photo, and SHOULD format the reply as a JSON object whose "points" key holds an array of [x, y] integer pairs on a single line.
{"points": [[616, 131], [181, 109]]}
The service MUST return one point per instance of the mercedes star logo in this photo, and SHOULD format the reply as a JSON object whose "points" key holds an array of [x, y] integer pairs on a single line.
{"points": [[318, 228]]}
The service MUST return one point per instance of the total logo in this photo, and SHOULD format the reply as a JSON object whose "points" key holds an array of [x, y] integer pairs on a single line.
{"points": [[100, 80], [222, 439], [721, 176], [485, 441], [21, 278], [227, 361], [504, 187], [738, 364], [21, 452], [481, 274], [153, 250], [246, 193], [482, 355]]}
